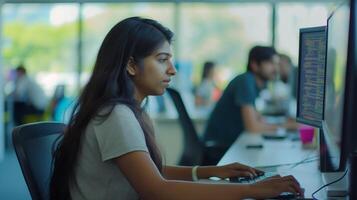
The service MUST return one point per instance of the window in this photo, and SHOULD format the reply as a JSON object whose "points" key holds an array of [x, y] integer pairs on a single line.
{"points": [[42, 37], [223, 33], [99, 18], [293, 16]]}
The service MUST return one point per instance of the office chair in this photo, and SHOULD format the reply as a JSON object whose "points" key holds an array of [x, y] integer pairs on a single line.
{"points": [[33, 145], [196, 151]]}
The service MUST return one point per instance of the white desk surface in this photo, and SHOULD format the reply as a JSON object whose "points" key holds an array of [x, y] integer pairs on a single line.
{"points": [[274, 152], [278, 152]]}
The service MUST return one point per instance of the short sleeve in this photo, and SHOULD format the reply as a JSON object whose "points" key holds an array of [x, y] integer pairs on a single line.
{"points": [[119, 134], [245, 92]]}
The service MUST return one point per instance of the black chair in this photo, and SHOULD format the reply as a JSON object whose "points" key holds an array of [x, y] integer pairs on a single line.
{"points": [[196, 151], [33, 145]]}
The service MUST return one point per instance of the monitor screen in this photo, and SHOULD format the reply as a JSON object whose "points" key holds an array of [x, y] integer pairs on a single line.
{"points": [[311, 76], [336, 65]]}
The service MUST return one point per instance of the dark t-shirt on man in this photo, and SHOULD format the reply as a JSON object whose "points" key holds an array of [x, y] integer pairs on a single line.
{"points": [[226, 122]]}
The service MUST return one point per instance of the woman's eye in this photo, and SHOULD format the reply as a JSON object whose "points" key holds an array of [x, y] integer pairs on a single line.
{"points": [[163, 60]]}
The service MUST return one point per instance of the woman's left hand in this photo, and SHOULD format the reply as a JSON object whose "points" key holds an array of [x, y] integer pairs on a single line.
{"points": [[235, 170]]}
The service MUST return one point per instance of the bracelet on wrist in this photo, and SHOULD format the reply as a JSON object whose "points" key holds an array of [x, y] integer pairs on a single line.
{"points": [[194, 173]]}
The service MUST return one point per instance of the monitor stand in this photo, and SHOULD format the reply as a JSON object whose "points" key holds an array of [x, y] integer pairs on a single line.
{"points": [[339, 189]]}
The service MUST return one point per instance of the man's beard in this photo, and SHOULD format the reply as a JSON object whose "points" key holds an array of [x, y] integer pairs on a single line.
{"points": [[263, 77]]}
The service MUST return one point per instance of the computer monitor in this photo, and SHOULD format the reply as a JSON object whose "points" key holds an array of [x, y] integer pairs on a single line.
{"points": [[311, 76], [339, 112], [337, 103]]}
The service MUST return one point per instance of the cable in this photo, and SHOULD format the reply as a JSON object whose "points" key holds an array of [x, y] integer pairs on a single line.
{"points": [[306, 160], [322, 187]]}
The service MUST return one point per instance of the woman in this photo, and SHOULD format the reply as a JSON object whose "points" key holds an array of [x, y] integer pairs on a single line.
{"points": [[207, 92], [108, 150]]}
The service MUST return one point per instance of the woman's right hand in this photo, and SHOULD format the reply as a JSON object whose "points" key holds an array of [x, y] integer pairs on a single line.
{"points": [[274, 186]]}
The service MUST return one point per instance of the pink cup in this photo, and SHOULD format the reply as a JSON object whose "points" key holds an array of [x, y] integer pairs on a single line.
{"points": [[306, 134]]}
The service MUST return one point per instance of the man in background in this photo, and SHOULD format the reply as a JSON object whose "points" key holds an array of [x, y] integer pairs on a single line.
{"points": [[288, 73], [28, 96], [235, 112]]}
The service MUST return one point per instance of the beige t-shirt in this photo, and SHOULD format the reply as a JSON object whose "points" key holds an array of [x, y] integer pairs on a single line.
{"points": [[97, 177]]}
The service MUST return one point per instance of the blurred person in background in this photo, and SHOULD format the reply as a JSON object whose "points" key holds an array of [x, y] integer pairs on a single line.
{"points": [[278, 99], [207, 92], [288, 73], [235, 111], [28, 97]]}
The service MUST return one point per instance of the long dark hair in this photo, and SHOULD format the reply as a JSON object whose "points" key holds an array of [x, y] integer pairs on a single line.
{"points": [[207, 67], [133, 38]]}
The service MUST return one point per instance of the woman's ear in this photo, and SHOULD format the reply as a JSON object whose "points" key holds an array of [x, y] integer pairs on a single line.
{"points": [[131, 67]]}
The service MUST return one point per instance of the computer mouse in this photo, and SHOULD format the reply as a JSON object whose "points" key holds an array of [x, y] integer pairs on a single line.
{"points": [[286, 195], [289, 195]]}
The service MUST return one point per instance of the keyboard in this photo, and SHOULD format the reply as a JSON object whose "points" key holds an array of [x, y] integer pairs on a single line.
{"points": [[249, 180]]}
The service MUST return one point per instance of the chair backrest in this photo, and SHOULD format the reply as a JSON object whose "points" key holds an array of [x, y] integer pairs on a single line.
{"points": [[193, 148], [33, 145]]}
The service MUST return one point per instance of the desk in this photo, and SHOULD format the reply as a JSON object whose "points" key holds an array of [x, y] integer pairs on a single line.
{"points": [[278, 152]]}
